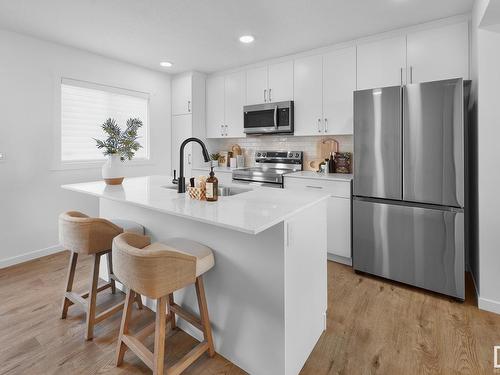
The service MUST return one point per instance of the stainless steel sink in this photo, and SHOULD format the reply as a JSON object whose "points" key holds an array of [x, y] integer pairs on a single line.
{"points": [[224, 191]]}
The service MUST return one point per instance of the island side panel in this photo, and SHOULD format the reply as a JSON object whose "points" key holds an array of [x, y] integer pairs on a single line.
{"points": [[245, 290], [305, 284]]}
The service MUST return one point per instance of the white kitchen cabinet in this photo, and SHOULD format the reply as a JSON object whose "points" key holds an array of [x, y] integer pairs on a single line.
{"points": [[338, 212], [339, 227], [273, 83], [215, 107], [182, 94], [308, 95], [235, 95], [280, 82], [256, 85], [181, 130], [339, 83], [438, 53], [381, 63]]}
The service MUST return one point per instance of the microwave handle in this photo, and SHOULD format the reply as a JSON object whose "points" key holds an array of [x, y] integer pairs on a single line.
{"points": [[276, 117]]}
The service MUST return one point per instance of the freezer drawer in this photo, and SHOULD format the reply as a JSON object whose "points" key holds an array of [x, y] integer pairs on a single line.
{"points": [[433, 143], [377, 143], [419, 246]]}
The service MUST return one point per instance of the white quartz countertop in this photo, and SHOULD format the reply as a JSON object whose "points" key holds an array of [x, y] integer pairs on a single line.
{"points": [[250, 212], [320, 176]]}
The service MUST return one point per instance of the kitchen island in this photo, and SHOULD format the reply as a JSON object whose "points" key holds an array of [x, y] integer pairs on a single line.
{"points": [[267, 294]]}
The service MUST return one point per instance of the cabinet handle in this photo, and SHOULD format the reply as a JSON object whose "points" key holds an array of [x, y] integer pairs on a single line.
{"points": [[326, 125], [226, 130], [319, 125], [189, 105], [222, 130], [270, 95], [265, 92], [189, 159], [411, 74], [401, 75], [314, 187]]}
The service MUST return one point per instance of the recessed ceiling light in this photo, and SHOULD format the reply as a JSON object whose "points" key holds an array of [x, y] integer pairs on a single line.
{"points": [[166, 64], [247, 39]]}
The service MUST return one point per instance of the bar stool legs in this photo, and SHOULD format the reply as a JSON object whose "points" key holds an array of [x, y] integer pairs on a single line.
{"points": [[87, 301], [69, 284], [156, 359], [160, 325], [205, 322]]}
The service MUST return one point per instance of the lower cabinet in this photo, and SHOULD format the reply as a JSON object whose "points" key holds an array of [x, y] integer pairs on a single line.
{"points": [[338, 213]]}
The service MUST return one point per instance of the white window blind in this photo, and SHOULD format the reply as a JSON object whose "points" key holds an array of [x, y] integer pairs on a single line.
{"points": [[86, 106]]}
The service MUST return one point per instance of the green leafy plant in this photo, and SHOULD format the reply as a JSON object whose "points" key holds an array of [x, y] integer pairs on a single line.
{"points": [[118, 142], [215, 156]]}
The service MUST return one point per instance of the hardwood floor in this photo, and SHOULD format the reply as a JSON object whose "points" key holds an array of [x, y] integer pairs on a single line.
{"points": [[373, 327]]}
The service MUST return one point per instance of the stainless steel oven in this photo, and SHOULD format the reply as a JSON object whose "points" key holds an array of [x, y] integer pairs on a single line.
{"points": [[268, 118]]}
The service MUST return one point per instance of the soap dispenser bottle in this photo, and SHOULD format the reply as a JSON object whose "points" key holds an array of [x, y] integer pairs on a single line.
{"points": [[212, 187]]}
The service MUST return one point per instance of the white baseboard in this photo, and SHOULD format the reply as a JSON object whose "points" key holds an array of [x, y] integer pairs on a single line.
{"points": [[7, 262], [339, 259], [488, 305]]}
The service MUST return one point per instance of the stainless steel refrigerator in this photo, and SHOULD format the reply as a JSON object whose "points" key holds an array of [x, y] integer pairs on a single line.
{"points": [[409, 186]]}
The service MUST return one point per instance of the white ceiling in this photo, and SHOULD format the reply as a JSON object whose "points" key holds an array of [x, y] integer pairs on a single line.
{"points": [[203, 34]]}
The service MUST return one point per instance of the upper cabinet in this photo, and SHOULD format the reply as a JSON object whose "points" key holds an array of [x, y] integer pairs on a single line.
{"points": [[440, 53], [215, 107], [339, 83], [273, 83], [382, 63], [324, 86], [280, 82], [182, 94], [256, 85], [308, 102], [234, 100], [226, 96]]}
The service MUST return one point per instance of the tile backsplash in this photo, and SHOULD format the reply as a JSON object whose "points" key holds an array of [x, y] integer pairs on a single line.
{"points": [[313, 146]]}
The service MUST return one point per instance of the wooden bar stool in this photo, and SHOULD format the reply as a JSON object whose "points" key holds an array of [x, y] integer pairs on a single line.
{"points": [[157, 270], [91, 236]]}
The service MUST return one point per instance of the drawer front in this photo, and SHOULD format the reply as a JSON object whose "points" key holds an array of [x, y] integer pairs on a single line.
{"points": [[340, 189]]}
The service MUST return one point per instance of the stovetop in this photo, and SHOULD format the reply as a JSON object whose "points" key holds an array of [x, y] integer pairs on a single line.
{"points": [[270, 166]]}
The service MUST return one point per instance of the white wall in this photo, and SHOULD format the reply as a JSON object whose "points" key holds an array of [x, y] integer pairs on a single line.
{"points": [[486, 74], [30, 196]]}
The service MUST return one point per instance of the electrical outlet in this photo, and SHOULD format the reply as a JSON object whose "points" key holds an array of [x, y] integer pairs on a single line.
{"points": [[2, 156]]}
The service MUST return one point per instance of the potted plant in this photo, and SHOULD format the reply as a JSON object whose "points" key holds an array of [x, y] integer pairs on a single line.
{"points": [[118, 146]]}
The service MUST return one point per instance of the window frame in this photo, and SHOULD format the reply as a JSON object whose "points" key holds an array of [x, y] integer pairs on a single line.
{"points": [[60, 164]]}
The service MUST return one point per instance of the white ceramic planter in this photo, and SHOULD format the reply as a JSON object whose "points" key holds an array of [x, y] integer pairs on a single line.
{"points": [[113, 171]]}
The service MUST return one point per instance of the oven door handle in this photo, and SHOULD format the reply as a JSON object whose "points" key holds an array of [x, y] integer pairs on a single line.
{"points": [[276, 117]]}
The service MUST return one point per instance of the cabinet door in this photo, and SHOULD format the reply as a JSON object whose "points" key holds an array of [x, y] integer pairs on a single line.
{"points": [[438, 54], [382, 63], [339, 83], [339, 227], [234, 94], [215, 107], [181, 130], [256, 85], [308, 95], [281, 82], [181, 95]]}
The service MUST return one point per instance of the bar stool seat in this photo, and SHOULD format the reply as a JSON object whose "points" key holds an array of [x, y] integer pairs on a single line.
{"points": [[92, 236], [156, 271], [128, 226], [203, 254]]}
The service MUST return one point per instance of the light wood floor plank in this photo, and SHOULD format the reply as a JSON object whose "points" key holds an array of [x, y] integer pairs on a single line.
{"points": [[373, 327]]}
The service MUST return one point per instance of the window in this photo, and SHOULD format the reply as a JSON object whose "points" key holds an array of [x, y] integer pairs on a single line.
{"points": [[86, 106]]}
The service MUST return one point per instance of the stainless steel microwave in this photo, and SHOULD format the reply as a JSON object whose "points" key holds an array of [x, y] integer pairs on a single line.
{"points": [[268, 118]]}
